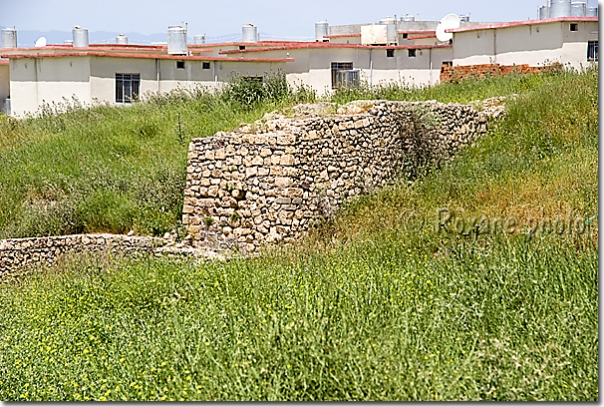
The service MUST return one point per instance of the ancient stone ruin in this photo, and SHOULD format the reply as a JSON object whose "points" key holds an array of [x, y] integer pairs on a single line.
{"points": [[270, 181]]}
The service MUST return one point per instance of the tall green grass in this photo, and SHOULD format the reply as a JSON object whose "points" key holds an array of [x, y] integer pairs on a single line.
{"points": [[373, 305], [115, 169]]}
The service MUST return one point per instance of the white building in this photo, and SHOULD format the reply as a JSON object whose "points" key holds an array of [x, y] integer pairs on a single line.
{"points": [[48, 75], [566, 40]]}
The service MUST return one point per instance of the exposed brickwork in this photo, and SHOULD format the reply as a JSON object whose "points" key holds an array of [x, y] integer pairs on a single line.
{"points": [[450, 73]]}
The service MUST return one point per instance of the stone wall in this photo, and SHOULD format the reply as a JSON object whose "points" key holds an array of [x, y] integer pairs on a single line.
{"points": [[270, 181], [18, 254]]}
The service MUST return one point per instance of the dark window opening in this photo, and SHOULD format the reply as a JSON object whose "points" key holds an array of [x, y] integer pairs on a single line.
{"points": [[574, 27], [412, 53], [447, 63], [205, 65], [389, 53], [592, 51], [180, 64], [405, 36], [241, 47], [335, 67], [127, 87]]}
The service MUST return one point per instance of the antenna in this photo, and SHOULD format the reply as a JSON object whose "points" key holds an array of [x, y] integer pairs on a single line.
{"points": [[40, 42], [449, 21]]}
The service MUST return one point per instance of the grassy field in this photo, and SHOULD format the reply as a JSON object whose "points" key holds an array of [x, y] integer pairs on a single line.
{"points": [[110, 169], [381, 303]]}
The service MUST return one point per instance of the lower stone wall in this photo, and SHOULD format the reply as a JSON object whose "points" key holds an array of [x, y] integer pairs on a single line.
{"points": [[271, 180], [450, 73], [19, 254]]}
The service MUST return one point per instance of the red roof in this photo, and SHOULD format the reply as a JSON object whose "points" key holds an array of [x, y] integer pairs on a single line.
{"points": [[420, 37], [318, 45], [343, 35], [517, 23], [246, 44], [417, 32], [146, 56]]}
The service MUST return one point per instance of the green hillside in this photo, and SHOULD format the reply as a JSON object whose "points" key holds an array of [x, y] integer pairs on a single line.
{"points": [[394, 299]]}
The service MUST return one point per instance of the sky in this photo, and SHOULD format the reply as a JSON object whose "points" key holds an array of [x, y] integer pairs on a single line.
{"points": [[286, 19]]}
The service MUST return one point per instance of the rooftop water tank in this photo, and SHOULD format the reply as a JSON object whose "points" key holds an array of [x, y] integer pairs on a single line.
{"points": [[321, 31], [559, 8], [249, 33], [177, 40], [68, 42], [199, 39], [464, 18], [543, 12], [592, 12], [407, 17], [391, 31], [80, 37], [121, 39], [9, 38], [578, 9]]}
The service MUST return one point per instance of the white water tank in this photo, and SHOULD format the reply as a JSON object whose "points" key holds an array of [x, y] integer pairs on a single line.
{"points": [[9, 38], [249, 33], [391, 31], [559, 8], [177, 40], [592, 12], [121, 39], [321, 31], [543, 12], [80, 37], [407, 17], [199, 39], [578, 9]]}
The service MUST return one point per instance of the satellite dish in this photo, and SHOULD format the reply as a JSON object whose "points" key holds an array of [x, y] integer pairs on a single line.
{"points": [[41, 42], [449, 21]]}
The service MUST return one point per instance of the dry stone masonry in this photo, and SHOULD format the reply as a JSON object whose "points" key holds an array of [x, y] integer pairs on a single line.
{"points": [[270, 181], [18, 254]]}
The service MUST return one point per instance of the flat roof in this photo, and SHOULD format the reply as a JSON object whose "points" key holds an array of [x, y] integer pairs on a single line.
{"points": [[102, 47], [145, 56], [343, 35], [427, 32], [519, 23], [328, 45]]}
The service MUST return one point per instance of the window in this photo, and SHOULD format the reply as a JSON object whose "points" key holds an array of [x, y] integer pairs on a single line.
{"points": [[592, 51], [205, 65], [126, 87], [241, 47], [405, 36], [574, 27], [389, 53], [412, 53], [335, 67], [180, 64]]}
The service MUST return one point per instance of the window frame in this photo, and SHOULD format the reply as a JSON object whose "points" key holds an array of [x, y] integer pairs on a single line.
{"points": [[339, 66], [127, 87], [206, 65], [574, 27], [390, 53], [180, 65], [592, 51], [412, 53]]}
